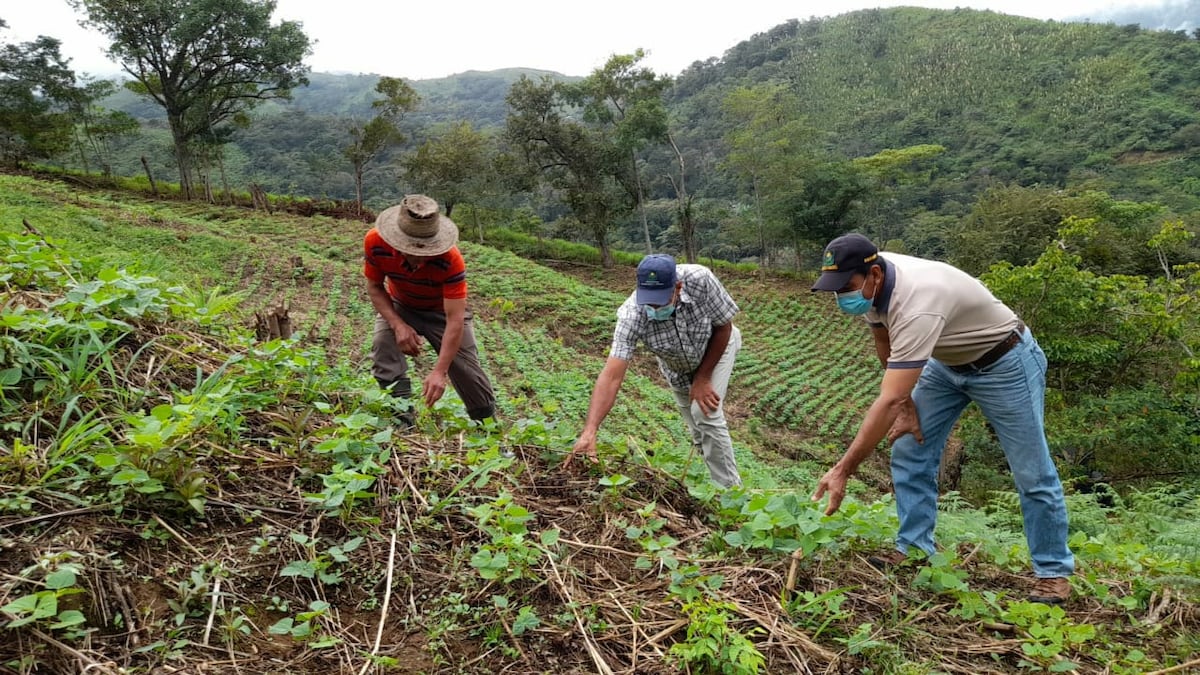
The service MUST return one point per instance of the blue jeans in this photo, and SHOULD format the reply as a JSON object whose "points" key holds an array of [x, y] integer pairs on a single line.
{"points": [[1011, 394]]}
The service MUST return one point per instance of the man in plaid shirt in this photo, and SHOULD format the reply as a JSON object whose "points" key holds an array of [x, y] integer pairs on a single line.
{"points": [[684, 316]]}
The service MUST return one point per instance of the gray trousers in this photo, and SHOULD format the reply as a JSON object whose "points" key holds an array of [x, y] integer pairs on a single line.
{"points": [[709, 432], [390, 367]]}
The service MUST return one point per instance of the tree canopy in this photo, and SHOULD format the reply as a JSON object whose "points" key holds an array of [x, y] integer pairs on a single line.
{"points": [[203, 61]]}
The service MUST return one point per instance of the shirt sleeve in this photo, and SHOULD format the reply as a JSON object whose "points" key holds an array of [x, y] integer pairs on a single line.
{"points": [[625, 337], [718, 304], [913, 341], [371, 268], [455, 285]]}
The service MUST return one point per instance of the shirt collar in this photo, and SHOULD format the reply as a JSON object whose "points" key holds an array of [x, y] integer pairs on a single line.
{"points": [[884, 298]]}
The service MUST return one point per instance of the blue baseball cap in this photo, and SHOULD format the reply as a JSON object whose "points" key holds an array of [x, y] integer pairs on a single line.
{"points": [[656, 279]]}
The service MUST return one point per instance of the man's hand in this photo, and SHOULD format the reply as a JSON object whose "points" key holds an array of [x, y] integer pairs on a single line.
{"points": [[702, 392], [834, 483], [407, 339], [433, 387], [907, 422], [586, 445]]}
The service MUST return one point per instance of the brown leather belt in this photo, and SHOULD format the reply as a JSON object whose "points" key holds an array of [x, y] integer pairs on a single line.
{"points": [[993, 355]]}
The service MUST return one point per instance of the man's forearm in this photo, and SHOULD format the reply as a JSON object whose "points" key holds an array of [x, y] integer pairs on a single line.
{"points": [[451, 341], [382, 302], [875, 426], [604, 395], [717, 343]]}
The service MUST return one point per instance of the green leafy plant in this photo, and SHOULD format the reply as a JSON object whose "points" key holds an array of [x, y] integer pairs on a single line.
{"points": [[713, 645], [306, 626], [41, 607], [319, 562]]}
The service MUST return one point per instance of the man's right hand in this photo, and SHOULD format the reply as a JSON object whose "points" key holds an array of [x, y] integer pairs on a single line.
{"points": [[586, 446], [407, 339]]}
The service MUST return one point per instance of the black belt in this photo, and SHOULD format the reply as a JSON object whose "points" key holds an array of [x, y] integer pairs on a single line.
{"points": [[993, 355]]}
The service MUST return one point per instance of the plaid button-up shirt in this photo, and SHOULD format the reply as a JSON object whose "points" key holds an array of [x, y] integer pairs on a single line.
{"points": [[680, 341]]}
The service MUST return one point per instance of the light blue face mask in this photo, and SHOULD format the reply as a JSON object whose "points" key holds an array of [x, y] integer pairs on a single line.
{"points": [[853, 302], [659, 313]]}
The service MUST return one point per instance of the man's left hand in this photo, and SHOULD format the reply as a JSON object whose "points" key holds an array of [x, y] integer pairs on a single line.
{"points": [[433, 387], [907, 422], [704, 394]]}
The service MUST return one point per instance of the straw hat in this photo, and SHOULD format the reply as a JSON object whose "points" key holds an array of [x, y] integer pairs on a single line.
{"points": [[415, 226]]}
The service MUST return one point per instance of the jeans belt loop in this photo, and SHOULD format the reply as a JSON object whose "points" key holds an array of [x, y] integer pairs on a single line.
{"points": [[993, 355]]}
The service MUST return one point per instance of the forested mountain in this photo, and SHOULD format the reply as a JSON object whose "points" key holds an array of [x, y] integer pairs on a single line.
{"points": [[988, 99], [1011, 99]]}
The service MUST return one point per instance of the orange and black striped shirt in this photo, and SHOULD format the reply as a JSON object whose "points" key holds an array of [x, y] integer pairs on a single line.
{"points": [[423, 287]]}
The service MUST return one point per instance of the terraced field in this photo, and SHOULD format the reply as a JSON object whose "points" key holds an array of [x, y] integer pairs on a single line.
{"points": [[804, 373]]}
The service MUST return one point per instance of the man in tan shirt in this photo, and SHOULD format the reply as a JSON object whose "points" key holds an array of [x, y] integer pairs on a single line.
{"points": [[944, 341]]}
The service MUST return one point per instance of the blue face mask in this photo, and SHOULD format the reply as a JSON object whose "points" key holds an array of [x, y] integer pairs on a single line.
{"points": [[659, 313], [853, 302]]}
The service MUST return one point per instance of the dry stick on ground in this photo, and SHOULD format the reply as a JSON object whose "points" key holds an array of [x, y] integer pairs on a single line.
{"points": [[48, 516], [212, 612], [598, 547], [593, 650], [793, 572], [408, 481], [90, 664], [387, 597], [636, 628], [807, 645], [183, 541], [1176, 669]]}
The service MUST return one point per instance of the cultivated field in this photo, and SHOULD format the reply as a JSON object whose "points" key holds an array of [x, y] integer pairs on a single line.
{"points": [[176, 496]]}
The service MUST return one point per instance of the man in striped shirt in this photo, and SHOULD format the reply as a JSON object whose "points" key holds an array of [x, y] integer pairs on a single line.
{"points": [[417, 282]]}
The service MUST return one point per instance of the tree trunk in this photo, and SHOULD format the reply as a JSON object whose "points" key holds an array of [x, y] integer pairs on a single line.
{"points": [[183, 157], [765, 259], [606, 256], [687, 227], [358, 178], [259, 198], [273, 323], [224, 178], [150, 176], [637, 179], [206, 183], [79, 143]]}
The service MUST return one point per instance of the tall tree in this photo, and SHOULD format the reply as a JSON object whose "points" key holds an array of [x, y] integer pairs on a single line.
{"points": [[582, 161], [893, 171], [36, 86], [683, 205], [768, 142], [627, 99], [369, 139], [819, 207], [454, 165], [222, 55], [95, 127]]}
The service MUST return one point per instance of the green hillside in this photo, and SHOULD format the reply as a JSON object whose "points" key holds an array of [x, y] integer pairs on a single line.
{"points": [[175, 494], [1007, 100]]}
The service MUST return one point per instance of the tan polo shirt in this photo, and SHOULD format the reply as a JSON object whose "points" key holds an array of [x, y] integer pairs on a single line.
{"points": [[935, 310]]}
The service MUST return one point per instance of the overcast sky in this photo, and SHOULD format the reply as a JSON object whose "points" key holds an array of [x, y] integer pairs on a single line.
{"points": [[436, 38]]}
